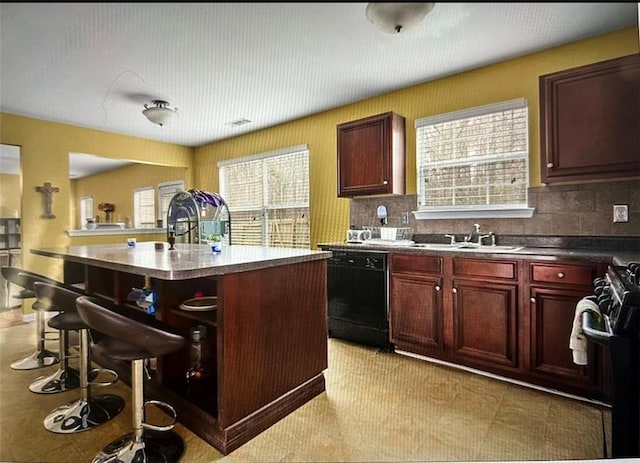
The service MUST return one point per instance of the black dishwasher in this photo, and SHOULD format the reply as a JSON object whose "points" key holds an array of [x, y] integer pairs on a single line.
{"points": [[357, 290]]}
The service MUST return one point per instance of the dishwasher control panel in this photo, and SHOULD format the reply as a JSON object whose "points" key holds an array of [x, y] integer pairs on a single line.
{"points": [[359, 259]]}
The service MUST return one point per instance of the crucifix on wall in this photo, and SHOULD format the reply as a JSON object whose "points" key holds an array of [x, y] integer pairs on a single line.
{"points": [[47, 197]]}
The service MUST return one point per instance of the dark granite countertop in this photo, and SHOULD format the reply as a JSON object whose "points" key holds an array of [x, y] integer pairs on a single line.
{"points": [[609, 250]]}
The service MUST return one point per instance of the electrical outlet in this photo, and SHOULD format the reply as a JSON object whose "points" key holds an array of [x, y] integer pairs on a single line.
{"points": [[620, 213], [405, 218]]}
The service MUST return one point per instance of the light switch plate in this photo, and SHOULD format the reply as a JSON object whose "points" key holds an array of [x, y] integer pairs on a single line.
{"points": [[620, 213], [405, 218]]}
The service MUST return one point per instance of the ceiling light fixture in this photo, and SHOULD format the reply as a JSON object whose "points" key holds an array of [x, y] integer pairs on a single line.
{"points": [[159, 114], [394, 18]]}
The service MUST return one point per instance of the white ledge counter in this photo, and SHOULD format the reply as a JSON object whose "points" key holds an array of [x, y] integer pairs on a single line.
{"points": [[267, 335]]}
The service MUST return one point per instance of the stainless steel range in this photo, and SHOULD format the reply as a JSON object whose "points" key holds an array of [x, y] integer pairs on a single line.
{"points": [[618, 298]]}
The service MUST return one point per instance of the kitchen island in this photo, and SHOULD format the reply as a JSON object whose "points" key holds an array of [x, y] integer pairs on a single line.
{"points": [[267, 337]]}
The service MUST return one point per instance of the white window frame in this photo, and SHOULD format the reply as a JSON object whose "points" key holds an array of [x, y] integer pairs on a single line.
{"points": [[85, 208], [264, 209], [137, 223], [472, 211], [169, 188]]}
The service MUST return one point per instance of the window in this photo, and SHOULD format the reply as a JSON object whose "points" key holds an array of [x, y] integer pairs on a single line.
{"points": [[474, 162], [144, 207], [86, 210], [166, 192], [268, 198]]}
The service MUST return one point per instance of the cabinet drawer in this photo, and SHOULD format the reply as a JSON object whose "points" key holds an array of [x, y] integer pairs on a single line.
{"points": [[415, 263], [567, 274], [506, 270]]}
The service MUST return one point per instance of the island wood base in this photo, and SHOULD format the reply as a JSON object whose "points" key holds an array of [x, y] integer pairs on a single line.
{"points": [[267, 337]]}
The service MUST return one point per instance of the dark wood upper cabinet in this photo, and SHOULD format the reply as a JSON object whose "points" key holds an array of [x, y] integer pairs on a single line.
{"points": [[371, 156], [590, 121]]}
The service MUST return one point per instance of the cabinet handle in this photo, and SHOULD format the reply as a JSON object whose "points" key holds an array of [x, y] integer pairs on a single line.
{"points": [[385, 182], [437, 287], [533, 300], [454, 290], [550, 165], [560, 275]]}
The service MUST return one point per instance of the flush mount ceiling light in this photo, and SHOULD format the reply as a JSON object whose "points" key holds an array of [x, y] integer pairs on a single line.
{"points": [[394, 18], [159, 114]]}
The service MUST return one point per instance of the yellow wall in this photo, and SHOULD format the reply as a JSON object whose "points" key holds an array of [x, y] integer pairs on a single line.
{"points": [[9, 195], [101, 187], [511, 79], [44, 156], [46, 145]]}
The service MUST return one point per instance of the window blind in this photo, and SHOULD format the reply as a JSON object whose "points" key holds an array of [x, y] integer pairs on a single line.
{"points": [[268, 197], [144, 207], [475, 158]]}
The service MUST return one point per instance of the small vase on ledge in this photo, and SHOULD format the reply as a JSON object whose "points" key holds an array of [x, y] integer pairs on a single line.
{"points": [[172, 240]]}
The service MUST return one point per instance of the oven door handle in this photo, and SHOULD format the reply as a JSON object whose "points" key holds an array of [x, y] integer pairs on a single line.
{"points": [[598, 336]]}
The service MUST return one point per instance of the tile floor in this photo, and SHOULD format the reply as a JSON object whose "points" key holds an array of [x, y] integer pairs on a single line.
{"points": [[377, 407]]}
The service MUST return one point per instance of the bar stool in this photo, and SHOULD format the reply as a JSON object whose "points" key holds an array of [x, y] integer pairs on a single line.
{"points": [[88, 411], [42, 357], [131, 340], [65, 377]]}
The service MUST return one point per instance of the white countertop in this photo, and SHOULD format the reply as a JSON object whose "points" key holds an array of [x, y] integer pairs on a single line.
{"points": [[186, 261]]}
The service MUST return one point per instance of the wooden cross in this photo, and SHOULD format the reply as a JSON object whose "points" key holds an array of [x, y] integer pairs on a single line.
{"points": [[47, 195]]}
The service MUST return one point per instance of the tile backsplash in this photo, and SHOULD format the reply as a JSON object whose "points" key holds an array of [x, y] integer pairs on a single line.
{"points": [[580, 210]]}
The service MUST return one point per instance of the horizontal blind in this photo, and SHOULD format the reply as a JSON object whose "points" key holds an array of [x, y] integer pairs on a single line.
{"points": [[474, 158], [268, 197]]}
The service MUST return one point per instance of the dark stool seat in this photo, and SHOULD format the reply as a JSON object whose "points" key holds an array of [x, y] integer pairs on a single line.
{"points": [[89, 410], [25, 279], [134, 341]]}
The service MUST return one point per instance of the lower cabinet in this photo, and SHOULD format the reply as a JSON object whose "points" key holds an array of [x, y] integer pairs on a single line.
{"points": [[554, 290], [485, 329], [415, 307], [455, 309], [511, 317], [415, 313]]}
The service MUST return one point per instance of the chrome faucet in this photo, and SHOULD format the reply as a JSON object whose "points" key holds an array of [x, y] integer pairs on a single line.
{"points": [[452, 238], [474, 231]]}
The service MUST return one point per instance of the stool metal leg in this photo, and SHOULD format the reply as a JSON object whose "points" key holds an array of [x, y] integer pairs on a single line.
{"points": [[88, 411], [148, 443], [41, 357], [65, 377]]}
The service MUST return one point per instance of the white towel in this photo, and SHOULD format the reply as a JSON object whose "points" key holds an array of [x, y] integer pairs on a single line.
{"points": [[578, 341]]}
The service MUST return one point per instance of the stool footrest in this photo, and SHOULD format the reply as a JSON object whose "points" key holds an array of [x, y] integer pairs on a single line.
{"points": [[96, 371], [167, 408]]}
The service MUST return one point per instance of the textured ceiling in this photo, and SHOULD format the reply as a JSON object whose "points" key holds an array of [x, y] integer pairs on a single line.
{"points": [[96, 64]]}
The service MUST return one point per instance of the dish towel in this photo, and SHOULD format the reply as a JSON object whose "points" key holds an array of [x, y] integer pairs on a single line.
{"points": [[578, 341]]}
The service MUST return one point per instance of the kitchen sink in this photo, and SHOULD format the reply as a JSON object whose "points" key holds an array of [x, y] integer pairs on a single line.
{"points": [[470, 247]]}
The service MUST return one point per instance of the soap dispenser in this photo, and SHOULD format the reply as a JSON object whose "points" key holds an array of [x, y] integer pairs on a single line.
{"points": [[382, 215]]}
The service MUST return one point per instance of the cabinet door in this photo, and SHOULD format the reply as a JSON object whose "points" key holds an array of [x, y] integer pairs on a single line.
{"points": [[415, 313], [552, 313], [485, 325], [589, 121], [371, 156]]}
